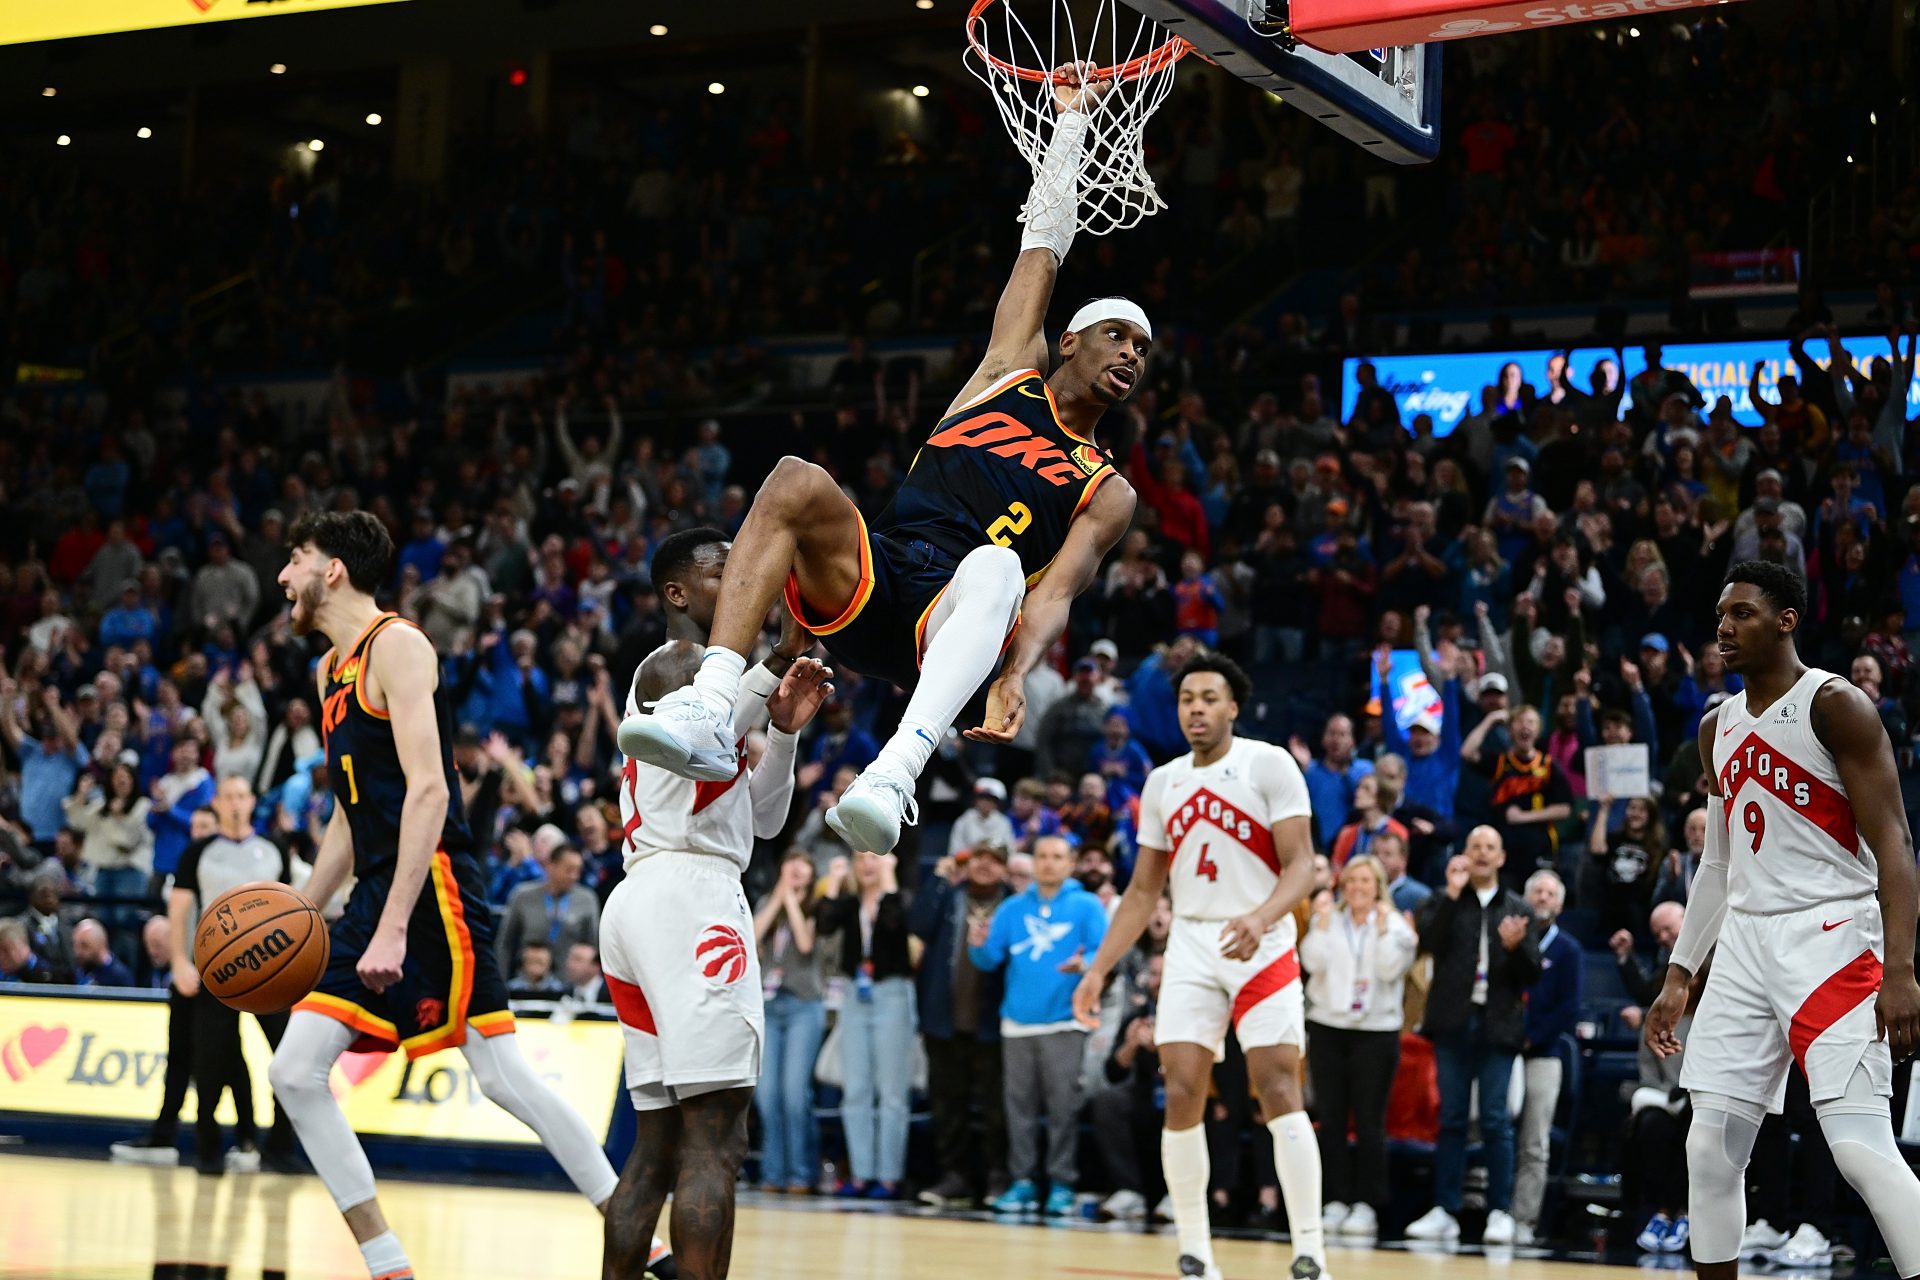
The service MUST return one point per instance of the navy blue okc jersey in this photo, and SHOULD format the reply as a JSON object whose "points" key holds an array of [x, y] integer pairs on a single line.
{"points": [[363, 764], [1000, 469]]}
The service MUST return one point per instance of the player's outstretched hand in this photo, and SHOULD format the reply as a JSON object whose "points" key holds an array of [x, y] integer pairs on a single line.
{"points": [[1240, 937], [802, 690], [1006, 711], [1663, 1016], [1086, 998], [1076, 88], [383, 960], [1896, 1014]]}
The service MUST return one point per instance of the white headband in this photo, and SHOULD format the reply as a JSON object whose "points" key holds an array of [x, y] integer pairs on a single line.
{"points": [[1110, 309]]}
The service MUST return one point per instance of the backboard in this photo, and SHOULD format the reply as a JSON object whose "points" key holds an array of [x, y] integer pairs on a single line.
{"points": [[1386, 100]]}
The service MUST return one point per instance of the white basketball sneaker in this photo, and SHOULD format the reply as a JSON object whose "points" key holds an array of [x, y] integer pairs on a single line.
{"points": [[681, 734], [872, 810], [1807, 1250], [1760, 1240]]}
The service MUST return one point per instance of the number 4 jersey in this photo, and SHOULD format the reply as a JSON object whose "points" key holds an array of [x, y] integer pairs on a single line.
{"points": [[1792, 841], [1216, 823]]}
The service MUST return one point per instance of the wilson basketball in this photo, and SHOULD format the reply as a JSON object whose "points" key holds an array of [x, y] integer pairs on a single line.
{"points": [[260, 947]]}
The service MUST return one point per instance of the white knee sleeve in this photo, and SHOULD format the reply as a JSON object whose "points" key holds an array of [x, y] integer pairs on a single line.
{"points": [[989, 583], [1719, 1144], [1859, 1131], [298, 1075], [504, 1076]]}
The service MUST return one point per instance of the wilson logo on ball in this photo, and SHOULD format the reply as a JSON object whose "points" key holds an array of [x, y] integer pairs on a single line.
{"points": [[254, 957], [721, 955]]}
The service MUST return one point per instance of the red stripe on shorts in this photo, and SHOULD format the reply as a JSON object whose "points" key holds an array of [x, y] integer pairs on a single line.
{"points": [[1267, 982], [1831, 1001], [631, 1005]]}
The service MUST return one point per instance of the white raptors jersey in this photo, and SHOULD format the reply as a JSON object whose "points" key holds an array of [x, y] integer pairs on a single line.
{"points": [[1791, 838], [661, 812], [1216, 822]]}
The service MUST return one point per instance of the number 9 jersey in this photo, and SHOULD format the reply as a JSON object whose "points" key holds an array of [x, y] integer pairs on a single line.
{"points": [[1216, 824]]}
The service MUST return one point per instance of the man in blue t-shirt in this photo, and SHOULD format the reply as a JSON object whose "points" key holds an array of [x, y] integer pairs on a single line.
{"points": [[49, 763], [1331, 778]]}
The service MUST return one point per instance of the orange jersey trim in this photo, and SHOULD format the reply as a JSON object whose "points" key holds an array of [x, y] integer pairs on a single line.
{"points": [[453, 918], [364, 647], [352, 1015], [861, 592], [493, 1024]]}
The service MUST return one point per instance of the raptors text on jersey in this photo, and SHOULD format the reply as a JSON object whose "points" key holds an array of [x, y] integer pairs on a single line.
{"points": [[1792, 841], [1216, 824]]}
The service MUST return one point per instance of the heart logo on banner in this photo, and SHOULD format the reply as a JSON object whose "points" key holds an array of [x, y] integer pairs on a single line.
{"points": [[29, 1049]]}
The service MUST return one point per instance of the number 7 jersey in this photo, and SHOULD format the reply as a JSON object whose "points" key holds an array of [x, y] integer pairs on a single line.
{"points": [[1792, 842], [1216, 824]]}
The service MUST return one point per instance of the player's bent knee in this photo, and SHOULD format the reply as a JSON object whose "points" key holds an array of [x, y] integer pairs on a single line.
{"points": [[795, 483], [990, 577]]}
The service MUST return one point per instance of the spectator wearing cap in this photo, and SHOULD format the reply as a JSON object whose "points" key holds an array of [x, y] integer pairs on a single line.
{"points": [[1332, 776], [1769, 517], [985, 822], [130, 620], [1072, 726], [1122, 763], [1768, 484], [1511, 512], [959, 1007], [1106, 654], [224, 589], [1429, 747]]}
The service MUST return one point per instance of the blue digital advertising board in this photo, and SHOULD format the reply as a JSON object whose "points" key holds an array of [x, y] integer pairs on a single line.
{"points": [[1447, 386]]}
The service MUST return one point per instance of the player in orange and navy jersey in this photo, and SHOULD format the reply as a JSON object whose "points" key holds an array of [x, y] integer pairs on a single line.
{"points": [[1004, 517], [412, 963]]}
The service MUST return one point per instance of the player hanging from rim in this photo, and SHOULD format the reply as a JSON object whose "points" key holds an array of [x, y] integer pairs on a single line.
{"points": [[1227, 830], [1003, 518], [1811, 900], [676, 940], [412, 965]]}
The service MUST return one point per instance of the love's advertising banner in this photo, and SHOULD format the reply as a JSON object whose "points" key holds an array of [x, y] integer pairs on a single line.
{"points": [[23, 21], [107, 1059]]}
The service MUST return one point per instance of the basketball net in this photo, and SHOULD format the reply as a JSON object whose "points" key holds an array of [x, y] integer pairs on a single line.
{"points": [[1017, 64]]}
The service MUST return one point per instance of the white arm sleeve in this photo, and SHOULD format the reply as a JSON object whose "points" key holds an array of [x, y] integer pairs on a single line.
{"points": [[1053, 205], [1707, 901], [771, 784]]}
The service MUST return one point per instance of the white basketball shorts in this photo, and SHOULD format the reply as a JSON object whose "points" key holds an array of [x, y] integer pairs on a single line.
{"points": [[1795, 987], [1202, 993], [677, 949]]}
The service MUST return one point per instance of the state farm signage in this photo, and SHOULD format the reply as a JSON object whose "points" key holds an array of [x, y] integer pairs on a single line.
{"points": [[1350, 26]]}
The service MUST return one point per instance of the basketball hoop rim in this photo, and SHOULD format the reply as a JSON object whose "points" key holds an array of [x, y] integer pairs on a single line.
{"points": [[1155, 59]]}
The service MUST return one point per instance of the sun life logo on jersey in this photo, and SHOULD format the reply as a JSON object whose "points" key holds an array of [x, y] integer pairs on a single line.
{"points": [[721, 955], [1786, 712]]}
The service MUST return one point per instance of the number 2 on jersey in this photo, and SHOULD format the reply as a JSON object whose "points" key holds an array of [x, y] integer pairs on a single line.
{"points": [[1756, 823], [1007, 527], [1206, 866]]}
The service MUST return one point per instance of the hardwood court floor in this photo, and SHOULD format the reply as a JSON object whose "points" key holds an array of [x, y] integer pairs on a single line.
{"points": [[68, 1219]]}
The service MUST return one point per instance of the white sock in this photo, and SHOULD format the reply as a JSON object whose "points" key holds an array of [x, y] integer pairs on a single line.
{"points": [[987, 589], [718, 680], [385, 1257], [1296, 1157], [1184, 1162]]}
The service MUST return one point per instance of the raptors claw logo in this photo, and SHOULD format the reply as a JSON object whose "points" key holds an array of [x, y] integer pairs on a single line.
{"points": [[721, 955], [429, 1012]]}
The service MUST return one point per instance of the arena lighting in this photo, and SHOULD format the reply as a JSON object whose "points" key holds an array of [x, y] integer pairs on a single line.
{"points": [[657, 29], [277, 69], [517, 77], [920, 91], [63, 141], [923, 4], [1634, 32], [143, 132], [48, 92], [716, 88], [373, 117], [316, 145]]}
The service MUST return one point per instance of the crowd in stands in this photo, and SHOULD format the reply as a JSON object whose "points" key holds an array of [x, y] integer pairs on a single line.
{"points": [[1441, 629]]}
